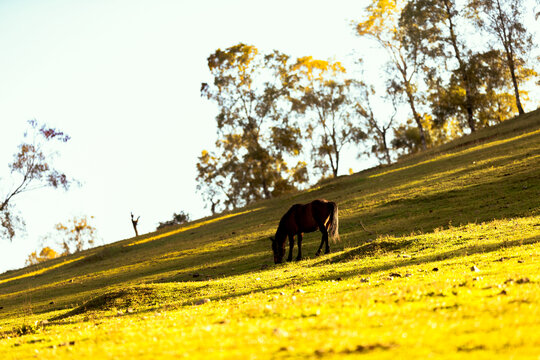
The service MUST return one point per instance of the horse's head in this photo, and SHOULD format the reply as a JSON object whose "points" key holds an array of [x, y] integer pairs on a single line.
{"points": [[278, 247]]}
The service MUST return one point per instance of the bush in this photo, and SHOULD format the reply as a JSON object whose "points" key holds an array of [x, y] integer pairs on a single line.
{"points": [[178, 219]]}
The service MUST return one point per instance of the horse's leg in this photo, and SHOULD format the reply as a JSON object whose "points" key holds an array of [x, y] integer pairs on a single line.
{"points": [[291, 245], [324, 239], [320, 248], [299, 237]]}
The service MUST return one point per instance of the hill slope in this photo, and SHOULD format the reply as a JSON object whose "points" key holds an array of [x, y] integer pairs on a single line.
{"points": [[452, 268]]}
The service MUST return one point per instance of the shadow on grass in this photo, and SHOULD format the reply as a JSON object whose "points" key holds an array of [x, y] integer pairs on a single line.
{"points": [[144, 295], [132, 296], [509, 196], [365, 251], [425, 160]]}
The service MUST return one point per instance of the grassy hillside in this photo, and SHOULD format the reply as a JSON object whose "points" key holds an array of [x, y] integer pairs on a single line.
{"points": [[451, 270]]}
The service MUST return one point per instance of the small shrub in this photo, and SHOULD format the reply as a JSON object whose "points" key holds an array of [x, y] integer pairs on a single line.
{"points": [[26, 329]]}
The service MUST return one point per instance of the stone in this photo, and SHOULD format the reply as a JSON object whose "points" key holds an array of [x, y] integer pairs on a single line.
{"points": [[202, 301]]}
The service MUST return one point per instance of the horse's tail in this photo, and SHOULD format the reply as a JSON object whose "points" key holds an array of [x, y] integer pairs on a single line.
{"points": [[333, 229]]}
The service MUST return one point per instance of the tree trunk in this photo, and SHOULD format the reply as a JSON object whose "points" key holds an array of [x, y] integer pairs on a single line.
{"points": [[266, 192], [336, 151], [512, 67], [337, 165], [470, 118], [135, 228], [385, 148], [506, 39], [420, 127], [416, 116], [462, 69], [134, 222]]}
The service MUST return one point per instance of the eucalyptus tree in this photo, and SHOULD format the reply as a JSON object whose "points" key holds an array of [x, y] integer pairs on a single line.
{"points": [[505, 21], [434, 25], [496, 101], [327, 102], [381, 24], [257, 138], [492, 97], [31, 169]]}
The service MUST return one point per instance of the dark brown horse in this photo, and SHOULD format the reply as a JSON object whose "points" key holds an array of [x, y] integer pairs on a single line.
{"points": [[319, 215]]}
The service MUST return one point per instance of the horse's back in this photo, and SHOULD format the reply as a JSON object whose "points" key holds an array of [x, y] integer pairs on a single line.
{"points": [[307, 217], [322, 208]]}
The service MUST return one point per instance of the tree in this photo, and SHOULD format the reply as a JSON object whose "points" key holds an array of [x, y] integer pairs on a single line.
{"points": [[31, 170], [327, 100], [490, 74], [382, 25], [177, 219], [217, 178], [45, 254], [504, 20], [376, 130], [256, 136], [76, 235], [434, 25], [406, 139], [492, 96], [135, 222]]}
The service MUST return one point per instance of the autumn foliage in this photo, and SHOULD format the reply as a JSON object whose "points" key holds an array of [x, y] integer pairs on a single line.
{"points": [[45, 254]]}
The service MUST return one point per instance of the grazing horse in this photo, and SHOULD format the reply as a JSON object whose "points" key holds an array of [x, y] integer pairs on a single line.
{"points": [[319, 215]]}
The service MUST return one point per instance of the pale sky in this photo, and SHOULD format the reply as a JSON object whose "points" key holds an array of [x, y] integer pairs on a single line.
{"points": [[122, 78]]}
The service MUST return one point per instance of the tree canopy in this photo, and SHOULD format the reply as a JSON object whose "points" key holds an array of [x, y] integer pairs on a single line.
{"points": [[327, 100], [257, 137]]}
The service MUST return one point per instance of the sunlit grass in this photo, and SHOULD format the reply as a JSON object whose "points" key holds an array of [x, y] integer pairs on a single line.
{"points": [[450, 271], [40, 271], [188, 227]]}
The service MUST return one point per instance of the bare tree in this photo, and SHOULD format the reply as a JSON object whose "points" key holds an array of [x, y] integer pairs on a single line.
{"points": [[134, 222]]}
